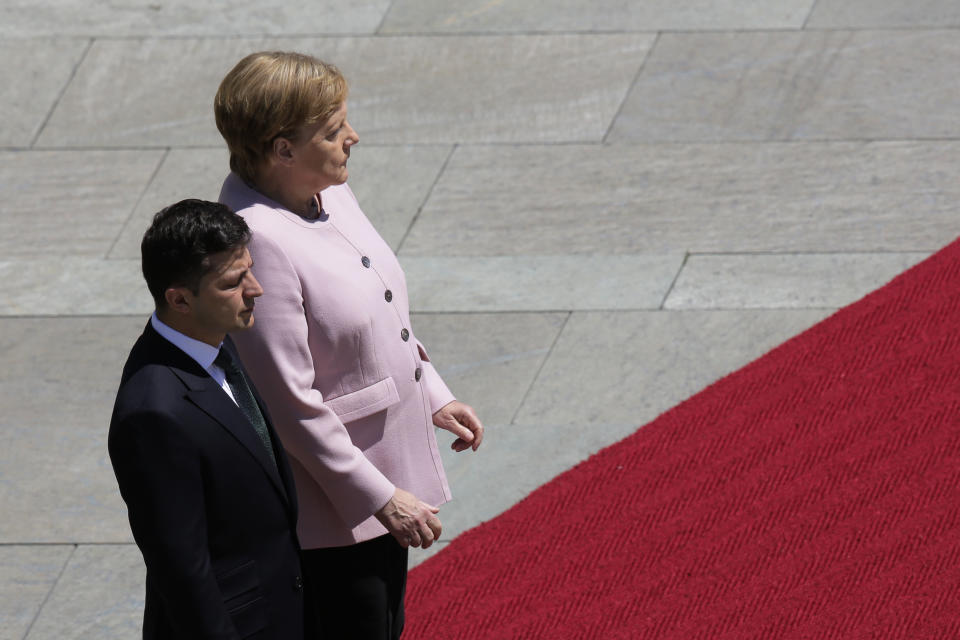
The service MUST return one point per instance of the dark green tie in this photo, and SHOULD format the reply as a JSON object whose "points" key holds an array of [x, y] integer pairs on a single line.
{"points": [[244, 397]]}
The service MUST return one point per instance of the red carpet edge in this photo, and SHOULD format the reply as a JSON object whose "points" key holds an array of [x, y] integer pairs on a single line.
{"points": [[811, 494]]}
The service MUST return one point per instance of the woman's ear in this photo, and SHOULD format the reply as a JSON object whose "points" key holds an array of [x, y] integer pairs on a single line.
{"points": [[282, 150]]}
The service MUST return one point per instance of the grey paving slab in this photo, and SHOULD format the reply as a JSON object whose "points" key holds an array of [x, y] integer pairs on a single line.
{"points": [[99, 596], [833, 14], [795, 85], [628, 367], [391, 183], [488, 360], [27, 574], [539, 283], [72, 287], [790, 281], [417, 90], [68, 203], [33, 74], [184, 173], [440, 16], [186, 18], [513, 461], [662, 199], [57, 388], [139, 93]]}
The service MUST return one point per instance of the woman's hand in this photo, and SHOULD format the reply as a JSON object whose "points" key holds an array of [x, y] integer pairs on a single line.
{"points": [[411, 521], [461, 420]]}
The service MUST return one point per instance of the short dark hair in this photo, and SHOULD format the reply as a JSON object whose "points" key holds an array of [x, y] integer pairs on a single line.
{"points": [[176, 249]]}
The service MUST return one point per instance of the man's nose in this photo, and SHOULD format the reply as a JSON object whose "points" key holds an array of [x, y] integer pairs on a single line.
{"points": [[253, 288]]}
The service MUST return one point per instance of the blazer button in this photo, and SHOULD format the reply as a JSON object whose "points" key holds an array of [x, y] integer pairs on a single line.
{"points": [[388, 295], [365, 261], [417, 374], [298, 583], [404, 335]]}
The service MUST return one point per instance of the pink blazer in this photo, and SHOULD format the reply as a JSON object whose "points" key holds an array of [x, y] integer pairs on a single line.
{"points": [[350, 389]]}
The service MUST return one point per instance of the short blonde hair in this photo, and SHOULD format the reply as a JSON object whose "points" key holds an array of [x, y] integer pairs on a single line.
{"points": [[273, 94]]}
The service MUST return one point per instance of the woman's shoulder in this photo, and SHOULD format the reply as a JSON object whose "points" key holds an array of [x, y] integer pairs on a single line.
{"points": [[244, 200], [342, 194]]}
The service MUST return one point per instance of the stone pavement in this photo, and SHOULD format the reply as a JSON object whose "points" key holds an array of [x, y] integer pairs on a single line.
{"points": [[601, 207]]}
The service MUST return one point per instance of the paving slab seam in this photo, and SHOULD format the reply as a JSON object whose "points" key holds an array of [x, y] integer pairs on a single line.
{"points": [[543, 363], [85, 147], [383, 18], [728, 309], [539, 143], [426, 197], [884, 29], [259, 35], [673, 283], [73, 543], [629, 88], [133, 209], [623, 143], [851, 252], [729, 141], [750, 30], [521, 34], [53, 586], [40, 316], [813, 7], [63, 90], [398, 36]]}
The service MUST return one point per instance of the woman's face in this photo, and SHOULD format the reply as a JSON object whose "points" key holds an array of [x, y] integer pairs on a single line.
{"points": [[323, 152]]}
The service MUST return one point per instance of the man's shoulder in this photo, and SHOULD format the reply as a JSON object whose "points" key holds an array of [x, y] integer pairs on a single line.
{"points": [[147, 387], [148, 382]]}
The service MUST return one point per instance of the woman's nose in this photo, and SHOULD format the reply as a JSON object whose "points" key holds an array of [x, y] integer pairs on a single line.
{"points": [[352, 136]]}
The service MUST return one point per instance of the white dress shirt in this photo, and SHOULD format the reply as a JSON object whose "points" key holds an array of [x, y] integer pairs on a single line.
{"points": [[201, 352]]}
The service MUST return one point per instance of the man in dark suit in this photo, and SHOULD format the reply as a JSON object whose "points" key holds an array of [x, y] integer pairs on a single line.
{"points": [[209, 492]]}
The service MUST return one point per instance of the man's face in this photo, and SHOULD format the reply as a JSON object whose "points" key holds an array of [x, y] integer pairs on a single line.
{"points": [[224, 298]]}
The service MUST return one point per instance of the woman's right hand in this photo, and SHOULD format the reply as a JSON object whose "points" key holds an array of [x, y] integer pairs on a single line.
{"points": [[411, 521]]}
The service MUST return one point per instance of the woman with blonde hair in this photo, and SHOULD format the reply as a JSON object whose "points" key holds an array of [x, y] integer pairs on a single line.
{"points": [[351, 390]]}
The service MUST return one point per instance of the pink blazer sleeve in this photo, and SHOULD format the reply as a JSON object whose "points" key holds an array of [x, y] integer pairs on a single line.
{"points": [[311, 432]]}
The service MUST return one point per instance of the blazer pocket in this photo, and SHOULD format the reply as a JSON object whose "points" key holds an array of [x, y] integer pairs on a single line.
{"points": [[240, 588], [238, 581], [250, 618], [366, 401]]}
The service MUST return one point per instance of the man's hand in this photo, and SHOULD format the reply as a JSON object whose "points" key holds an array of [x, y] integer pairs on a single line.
{"points": [[461, 420], [411, 521]]}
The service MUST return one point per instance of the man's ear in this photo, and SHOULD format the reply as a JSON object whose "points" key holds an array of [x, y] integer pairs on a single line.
{"points": [[282, 151], [178, 300]]}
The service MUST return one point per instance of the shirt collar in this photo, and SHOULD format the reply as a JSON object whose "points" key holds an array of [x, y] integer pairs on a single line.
{"points": [[201, 352]]}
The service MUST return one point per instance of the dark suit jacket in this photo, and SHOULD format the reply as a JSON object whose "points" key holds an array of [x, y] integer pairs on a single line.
{"points": [[214, 519]]}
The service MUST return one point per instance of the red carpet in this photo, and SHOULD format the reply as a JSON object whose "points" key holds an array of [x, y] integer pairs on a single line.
{"points": [[815, 493]]}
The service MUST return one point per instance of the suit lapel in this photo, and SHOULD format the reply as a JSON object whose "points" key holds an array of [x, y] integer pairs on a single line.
{"points": [[209, 397], [212, 400], [283, 466]]}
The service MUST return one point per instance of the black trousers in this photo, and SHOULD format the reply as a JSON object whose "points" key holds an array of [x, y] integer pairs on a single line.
{"points": [[357, 591]]}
